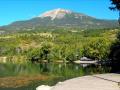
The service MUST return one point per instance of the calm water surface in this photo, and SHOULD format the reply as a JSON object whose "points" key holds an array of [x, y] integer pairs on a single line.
{"points": [[62, 71]]}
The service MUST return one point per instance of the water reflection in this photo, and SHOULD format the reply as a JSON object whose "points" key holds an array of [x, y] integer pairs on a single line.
{"points": [[63, 71]]}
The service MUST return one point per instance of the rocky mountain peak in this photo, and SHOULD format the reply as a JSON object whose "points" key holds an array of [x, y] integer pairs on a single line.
{"points": [[56, 13]]}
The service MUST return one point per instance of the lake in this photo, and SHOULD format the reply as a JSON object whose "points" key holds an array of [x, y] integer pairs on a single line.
{"points": [[29, 76]]}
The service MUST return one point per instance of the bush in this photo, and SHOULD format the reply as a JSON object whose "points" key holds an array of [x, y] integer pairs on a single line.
{"points": [[98, 49]]}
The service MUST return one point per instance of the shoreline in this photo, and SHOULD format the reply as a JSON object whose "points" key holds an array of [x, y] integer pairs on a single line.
{"points": [[94, 82]]}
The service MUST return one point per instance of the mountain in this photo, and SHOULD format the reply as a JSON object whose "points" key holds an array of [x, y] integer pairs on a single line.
{"points": [[56, 14], [61, 18]]}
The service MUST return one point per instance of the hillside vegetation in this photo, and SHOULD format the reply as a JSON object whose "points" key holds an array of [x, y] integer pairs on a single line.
{"points": [[66, 44]]}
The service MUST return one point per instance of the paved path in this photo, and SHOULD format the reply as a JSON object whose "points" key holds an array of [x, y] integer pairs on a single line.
{"points": [[95, 82]]}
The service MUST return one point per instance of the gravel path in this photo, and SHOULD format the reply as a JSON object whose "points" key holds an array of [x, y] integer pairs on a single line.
{"points": [[95, 82]]}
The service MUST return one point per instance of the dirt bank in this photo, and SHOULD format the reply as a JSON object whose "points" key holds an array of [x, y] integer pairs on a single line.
{"points": [[19, 81]]}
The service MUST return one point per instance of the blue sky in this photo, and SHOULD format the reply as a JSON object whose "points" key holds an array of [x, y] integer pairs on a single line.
{"points": [[15, 10]]}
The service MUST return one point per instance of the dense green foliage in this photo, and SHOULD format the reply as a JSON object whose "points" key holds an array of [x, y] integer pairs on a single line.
{"points": [[66, 44]]}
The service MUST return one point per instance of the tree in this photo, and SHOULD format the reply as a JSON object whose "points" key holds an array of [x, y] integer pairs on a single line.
{"points": [[40, 54], [34, 55], [46, 51], [116, 6], [114, 55], [97, 49]]}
